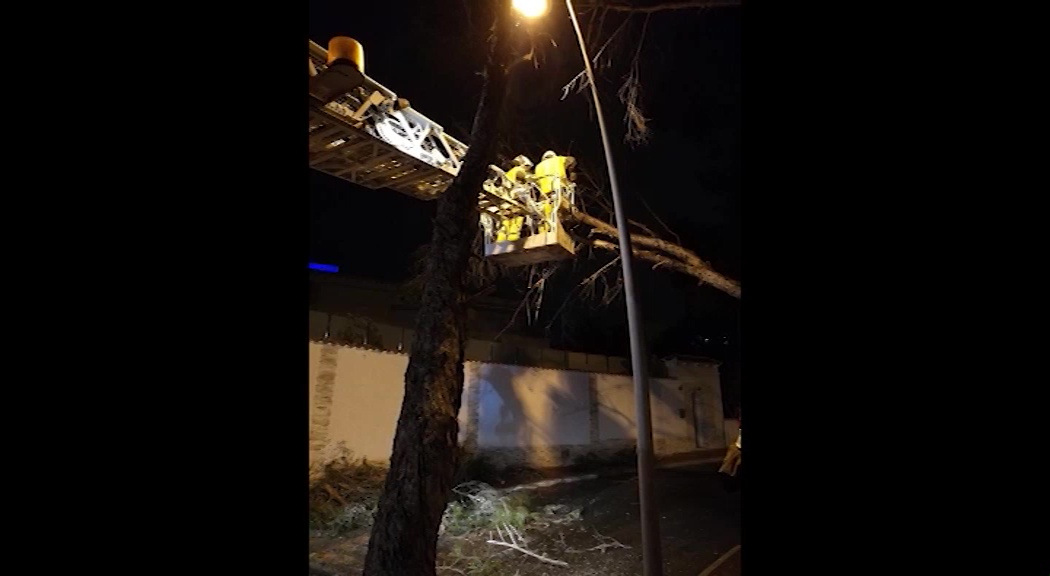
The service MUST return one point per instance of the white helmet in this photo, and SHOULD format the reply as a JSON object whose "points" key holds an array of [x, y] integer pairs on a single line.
{"points": [[523, 161], [549, 154]]}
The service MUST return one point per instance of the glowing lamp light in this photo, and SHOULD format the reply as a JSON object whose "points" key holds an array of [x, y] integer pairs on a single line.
{"points": [[530, 8]]}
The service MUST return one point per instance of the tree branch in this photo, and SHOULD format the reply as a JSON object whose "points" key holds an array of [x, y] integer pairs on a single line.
{"points": [[643, 227], [602, 227], [579, 82], [630, 95], [688, 262], [515, 543], [586, 282], [704, 275]]}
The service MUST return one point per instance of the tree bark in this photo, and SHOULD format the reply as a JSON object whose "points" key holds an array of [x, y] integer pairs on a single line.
{"points": [[425, 452]]}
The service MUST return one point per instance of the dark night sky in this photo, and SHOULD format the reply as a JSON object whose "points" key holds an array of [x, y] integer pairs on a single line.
{"points": [[689, 172]]}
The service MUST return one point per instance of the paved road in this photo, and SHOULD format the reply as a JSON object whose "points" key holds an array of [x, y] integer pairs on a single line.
{"points": [[730, 567], [699, 520]]}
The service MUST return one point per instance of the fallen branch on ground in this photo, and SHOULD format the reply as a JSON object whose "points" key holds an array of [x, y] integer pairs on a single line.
{"points": [[552, 482], [607, 542], [510, 541], [334, 494]]}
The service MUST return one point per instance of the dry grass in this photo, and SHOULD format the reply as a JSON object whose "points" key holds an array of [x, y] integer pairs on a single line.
{"points": [[485, 530], [345, 495]]}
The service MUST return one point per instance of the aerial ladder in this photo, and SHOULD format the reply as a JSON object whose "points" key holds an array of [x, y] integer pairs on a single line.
{"points": [[362, 132]]}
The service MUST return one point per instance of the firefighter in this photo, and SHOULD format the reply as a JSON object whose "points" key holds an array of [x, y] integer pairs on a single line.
{"points": [[552, 175], [514, 179], [730, 469], [518, 173]]}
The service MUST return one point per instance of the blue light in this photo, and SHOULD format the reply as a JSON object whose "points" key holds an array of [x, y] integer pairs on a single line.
{"points": [[324, 267]]}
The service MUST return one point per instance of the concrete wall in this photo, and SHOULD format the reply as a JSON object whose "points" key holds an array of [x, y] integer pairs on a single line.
{"points": [[512, 414], [390, 304], [672, 431], [369, 389], [522, 406], [364, 332], [702, 393]]}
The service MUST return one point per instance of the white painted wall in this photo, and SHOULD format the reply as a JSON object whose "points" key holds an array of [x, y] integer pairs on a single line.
{"points": [[616, 410], [701, 387], [521, 406], [314, 355], [369, 387], [470, 383], [517, 407]]}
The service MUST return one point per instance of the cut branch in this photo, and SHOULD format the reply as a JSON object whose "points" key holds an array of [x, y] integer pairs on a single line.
{"points": [[655, 257], [643, 227], [683, 254], [516, 541], [528, 552], [684, 261], [605, 542]]}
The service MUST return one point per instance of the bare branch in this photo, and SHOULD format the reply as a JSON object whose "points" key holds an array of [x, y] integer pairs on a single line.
{"points": [[534, 287], [600, 271], [586, 282], [612, 291], [642, 226], [513, 317], [606, 542], [665, 6], [631, 93], [579, 82], [524, 551], [515, 544]]}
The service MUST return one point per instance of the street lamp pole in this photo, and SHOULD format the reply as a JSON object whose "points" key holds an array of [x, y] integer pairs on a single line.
{"points": [[652, 562]]}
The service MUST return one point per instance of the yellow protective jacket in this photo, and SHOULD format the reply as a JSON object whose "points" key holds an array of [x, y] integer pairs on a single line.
{"points": [[547, 170], [515, 173]]}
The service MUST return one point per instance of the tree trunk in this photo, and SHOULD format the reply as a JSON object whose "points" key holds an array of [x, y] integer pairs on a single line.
{"points": [[425, 452]]}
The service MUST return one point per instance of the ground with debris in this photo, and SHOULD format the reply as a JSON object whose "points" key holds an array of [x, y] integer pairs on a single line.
{"points": [[582, 528]]}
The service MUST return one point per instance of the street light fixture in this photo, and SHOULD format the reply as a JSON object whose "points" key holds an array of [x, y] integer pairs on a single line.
{"points": [[531, 8], [652, 562]]}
